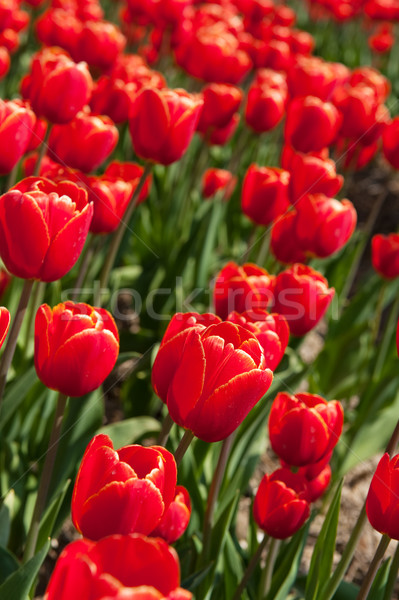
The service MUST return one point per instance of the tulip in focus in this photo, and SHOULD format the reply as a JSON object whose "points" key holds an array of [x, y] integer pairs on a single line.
{"points": [[43, 227], [57, 87], [304, 428], [172, 114], [278, 510], [302, 296], [265, 194], [242, 288], [122, 491], [84, 143], [382, 504], [175, 518], [385, 255], [218, 181], [122, 567], [209, 377], [271, 331], [76, 347]]}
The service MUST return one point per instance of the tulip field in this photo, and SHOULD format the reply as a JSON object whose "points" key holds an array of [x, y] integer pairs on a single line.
{"points": [[199, 282]]}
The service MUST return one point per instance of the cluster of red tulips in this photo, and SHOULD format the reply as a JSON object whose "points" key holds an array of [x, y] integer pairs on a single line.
{"points": [[90, 90]]}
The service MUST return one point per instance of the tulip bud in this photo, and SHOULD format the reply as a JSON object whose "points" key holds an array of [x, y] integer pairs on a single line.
{"points": [[302, 296], [382, 505], [265, 194], [216, 181], [43, 227], [210, 377], [311, 124], [304, 428], [174, 115], [385, 255], [278, 510], [16, 125], [76, 347]]}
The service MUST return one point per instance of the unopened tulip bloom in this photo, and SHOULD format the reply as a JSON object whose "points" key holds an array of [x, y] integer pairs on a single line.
{"points": [[16, 125], [4, 324], [175, 518], [43, 227], [283, 240], [313, 175], [382, 503], [99, 44], [122, 491], [372, 78], [76, 347], [218, 181], [210, 377], [302, 295], [304, 428], [242, 288], [385, 254], [56, 86], [265, 194], [124, 567], [311, 124], [173, 114], [84, 143], [278, 510], [267, 98], [271, 330], [221, 103]]}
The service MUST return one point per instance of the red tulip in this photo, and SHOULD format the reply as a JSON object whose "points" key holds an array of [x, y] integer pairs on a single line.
{"points": [[111, 194], [313, 175], [175, 518], [312, 76], [390, 143], [218, 181], [119, 566], [302, 296], [267, 98], [382, 503], [372, 78], [385, 255], [304, 428], [4, 324], [308, 488], [123, 491], [43, 227], [5, 279], [311, 124], [324, 225], [5, 62], [16, 125], [382, 39], [283, 241], [173, 114], [99, 44], [271, 331], [76, 347], [57, 87], [84, 143], [278, 510], [242, 288], [221, 103], [265, 194], [210, 377]]}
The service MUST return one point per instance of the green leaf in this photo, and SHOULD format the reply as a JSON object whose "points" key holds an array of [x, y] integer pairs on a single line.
{"points": [[19, 583], [16, 393], [346, 591], [323, 551], [377, 590], [8, 564], [49, 519], [233, 567], [6, 517], [287, 570], [131, 430]]}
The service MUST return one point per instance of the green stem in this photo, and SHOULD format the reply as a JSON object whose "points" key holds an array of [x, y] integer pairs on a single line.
{"points": [[118, 235], [214, 493], [332, 584], [264, 248], [45, 479], [384, 346], [378, 314], [216, 214], [250, 245], [165, 430], [373, 568], [42, 151], [393, 572], [251, 566], [37, 295], [13, 334], [184, 444], [267, 574], [88, 254]]}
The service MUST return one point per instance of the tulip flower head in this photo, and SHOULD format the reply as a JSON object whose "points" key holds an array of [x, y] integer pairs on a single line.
{"points": [[209, 376], [119, 566], [4, 324], [175, 518], [43, 227], [385, 255], [76, 347], [278, 509], [265, 194], [122, 491], [304, 428], [382, 503]]}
